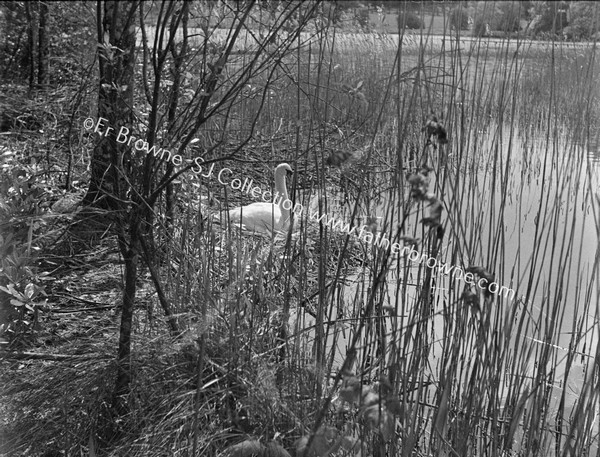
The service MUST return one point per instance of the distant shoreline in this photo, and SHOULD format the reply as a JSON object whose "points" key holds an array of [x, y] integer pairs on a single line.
{"points": [[379, 40]]}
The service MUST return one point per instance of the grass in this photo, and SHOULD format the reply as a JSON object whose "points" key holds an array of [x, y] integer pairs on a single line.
{"points": [[318, 335]]}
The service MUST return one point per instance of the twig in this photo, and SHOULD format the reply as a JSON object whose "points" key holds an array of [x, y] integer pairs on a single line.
{"points": [[38, 356]]}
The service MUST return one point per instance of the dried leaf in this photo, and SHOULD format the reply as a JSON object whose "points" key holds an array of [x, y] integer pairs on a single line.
{"points": [[379, 418], [351, 389], [471, 298], [338, 157]]}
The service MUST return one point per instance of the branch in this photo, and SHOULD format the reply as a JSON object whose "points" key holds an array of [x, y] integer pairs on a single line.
{"points": [[39, 356]]}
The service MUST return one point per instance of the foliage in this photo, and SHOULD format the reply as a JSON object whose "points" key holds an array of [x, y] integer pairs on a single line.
{"points": [[361, 17], [21, 198], [481, 28], [70, 30], [548, 17], [508, 16], [459, 18], [409, 20], [501, 16], [584, 20]]}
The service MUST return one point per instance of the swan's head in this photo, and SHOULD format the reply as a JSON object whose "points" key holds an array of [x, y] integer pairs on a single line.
{"points": [[282, 168]]}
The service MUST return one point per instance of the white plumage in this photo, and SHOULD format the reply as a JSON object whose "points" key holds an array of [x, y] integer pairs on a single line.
{"points": [[264, 217]]}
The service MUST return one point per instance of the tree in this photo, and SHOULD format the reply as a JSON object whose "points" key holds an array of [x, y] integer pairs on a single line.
{"points": [[43, 45], [181, 89], [508, 16], [112, 160], [504, 16], [116, 43], [548, 17], [32, 30], [459, 18], [584, 20], [37, 33], [409, 20]]}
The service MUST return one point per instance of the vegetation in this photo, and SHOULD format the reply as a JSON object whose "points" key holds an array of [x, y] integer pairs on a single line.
{"points": [[409, 20], [459, 18], [132, 324]]}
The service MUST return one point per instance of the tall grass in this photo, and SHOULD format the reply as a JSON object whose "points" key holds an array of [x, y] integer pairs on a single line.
{"points": [[324, 336], [294, 320]]}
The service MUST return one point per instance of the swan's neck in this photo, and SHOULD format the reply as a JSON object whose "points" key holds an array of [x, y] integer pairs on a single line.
{"points": [[281, 189]]}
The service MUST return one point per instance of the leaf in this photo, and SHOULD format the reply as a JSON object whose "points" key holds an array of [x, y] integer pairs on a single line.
{"points": [[441, 421], [30, 291], [379, 418], [370, 398], [351, 390], [516, 417], [10, 289]]}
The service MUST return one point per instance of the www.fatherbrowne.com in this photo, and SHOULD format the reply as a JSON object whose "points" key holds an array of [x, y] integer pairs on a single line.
{"points": [[380, 240]]}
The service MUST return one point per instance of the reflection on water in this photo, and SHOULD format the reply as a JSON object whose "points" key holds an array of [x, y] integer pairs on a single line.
{"points": [[593, 148], [522, 208], [519, 202]]}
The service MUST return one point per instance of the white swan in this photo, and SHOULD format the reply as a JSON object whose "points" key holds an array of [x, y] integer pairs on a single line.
{"points": [[263, 217]]}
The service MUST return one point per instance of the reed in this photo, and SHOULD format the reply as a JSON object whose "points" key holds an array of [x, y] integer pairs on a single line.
{"points": [[338, 346]]}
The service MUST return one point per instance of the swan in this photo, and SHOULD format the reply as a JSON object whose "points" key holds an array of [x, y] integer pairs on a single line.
{"points": [[263, 217]]}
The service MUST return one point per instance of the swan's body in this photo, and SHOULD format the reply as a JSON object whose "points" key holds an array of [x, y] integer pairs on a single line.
{"points": [[263, 217]]}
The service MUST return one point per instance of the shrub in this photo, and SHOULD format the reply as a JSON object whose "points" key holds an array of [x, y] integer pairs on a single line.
{"points": [[459, 19], [507, 18], [409, 20], [549, 18], [361, 17], [584, 23], [21, 292], [481, 28]]}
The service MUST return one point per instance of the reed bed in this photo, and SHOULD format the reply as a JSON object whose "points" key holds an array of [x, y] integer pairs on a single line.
{"points": [[455, 371], [331, 345]]}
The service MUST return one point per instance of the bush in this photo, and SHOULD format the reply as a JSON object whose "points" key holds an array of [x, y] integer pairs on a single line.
{"points": [[509, 19], [481, 28], [583, 24], [549, 18], [501, 17], [459, 19], [361, 17], [409, 20]]}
